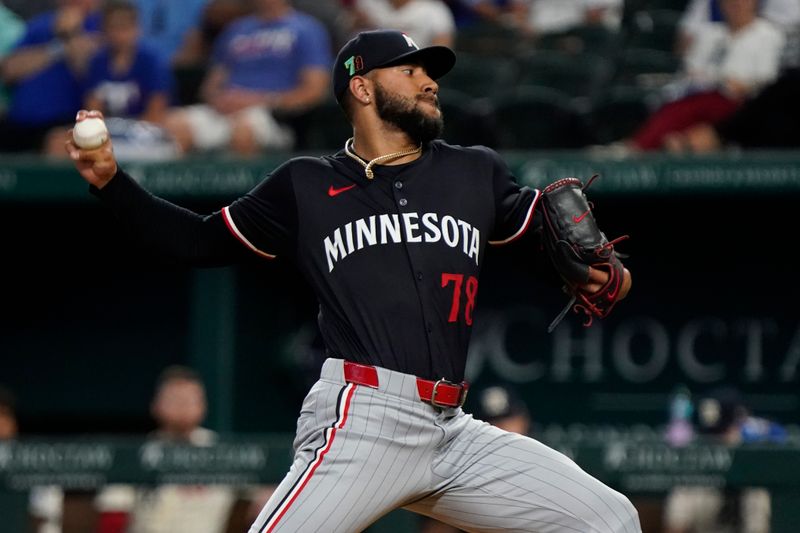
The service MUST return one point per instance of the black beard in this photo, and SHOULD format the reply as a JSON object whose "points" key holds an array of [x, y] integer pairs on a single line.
{"points": [[402, 113]]}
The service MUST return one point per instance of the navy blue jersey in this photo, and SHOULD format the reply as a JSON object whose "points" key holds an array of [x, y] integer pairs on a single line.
{"points": [[394, 261]]}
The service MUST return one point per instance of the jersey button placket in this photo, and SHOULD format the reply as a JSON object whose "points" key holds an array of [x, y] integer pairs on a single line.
{"points": [[398, 186]]}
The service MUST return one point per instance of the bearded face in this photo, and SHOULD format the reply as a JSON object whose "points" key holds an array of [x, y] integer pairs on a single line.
{"points": [[405, 113]]}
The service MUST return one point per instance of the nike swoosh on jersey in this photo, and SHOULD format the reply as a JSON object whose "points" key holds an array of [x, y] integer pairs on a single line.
{"points": [[578, 219], [333, 191]]}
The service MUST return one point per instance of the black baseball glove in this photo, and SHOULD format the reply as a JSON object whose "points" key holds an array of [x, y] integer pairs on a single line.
{"points": [[574, 244]]}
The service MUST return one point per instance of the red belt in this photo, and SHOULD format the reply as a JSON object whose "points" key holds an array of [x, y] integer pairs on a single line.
{"points": [[441, 393]]}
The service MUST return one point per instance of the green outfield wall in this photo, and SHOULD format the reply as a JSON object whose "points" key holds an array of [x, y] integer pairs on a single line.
{"points": [[32, 178], [639, 468]]}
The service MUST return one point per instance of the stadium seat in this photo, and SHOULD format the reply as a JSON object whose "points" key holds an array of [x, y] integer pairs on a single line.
{"points": [[653, 28], [596, 39], [537, 118], [646, 67], [488, 39], [574, 74], [467, 120], [480, 76], [323, 128], [618, 112], [633, 6]]}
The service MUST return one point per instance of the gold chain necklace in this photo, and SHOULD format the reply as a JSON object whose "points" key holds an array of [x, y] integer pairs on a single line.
{"points": [[368, 166]]}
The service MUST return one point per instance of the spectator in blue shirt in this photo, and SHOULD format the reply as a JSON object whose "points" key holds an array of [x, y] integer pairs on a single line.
{"points": [[277, 60], [127, 78], [505, 12], [195, 52], [130, 83], [166, 24], [45, 73]]}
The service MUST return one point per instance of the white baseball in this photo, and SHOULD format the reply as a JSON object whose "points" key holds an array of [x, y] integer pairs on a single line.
{"points": [[90, 133]]}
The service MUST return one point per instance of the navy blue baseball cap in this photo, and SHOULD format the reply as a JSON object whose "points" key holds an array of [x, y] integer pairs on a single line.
{"points": [[383, 48]]}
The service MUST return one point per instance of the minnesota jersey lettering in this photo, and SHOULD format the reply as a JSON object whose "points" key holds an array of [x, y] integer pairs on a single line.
{"points": [[400, 228]]}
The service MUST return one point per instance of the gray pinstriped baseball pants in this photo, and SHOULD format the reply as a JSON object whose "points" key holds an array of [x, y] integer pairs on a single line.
{"points": [[361, 452]]}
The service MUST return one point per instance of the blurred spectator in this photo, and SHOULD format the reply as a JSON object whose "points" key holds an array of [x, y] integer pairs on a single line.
{"points": [[191, 62], [179, 407], [197, 45], [8, 415], [722, 417], [770, 120], [783, 13], [727, 63], [46, 506], [11, 29], [126, 79], [45, 73], [680, 430], [166, 24], [509, 13], [13, 504], [333, 15], [553, 16], [43, 506], [275, 61], [427, 22], [501, 406]]}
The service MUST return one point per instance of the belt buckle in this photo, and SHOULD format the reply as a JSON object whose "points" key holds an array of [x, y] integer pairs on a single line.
{"points": [[462, 394]]}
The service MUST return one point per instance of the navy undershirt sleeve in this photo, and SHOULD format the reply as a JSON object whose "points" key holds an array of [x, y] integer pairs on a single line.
{"points": [[170, 230]]}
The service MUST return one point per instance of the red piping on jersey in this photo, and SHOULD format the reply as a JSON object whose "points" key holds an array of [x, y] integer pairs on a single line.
{"points": [[226, 216], [527, 222], [295, 492]]}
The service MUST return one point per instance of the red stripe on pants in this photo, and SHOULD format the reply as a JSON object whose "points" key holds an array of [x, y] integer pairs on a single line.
{"points": [[295, 492]]}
